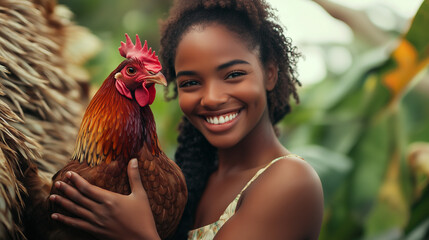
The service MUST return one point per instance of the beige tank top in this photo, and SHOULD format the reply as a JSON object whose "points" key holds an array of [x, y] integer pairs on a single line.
{"points": [[208, 232]]}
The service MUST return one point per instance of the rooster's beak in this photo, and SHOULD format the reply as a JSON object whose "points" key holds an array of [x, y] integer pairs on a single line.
{"points": [[157, 78]]}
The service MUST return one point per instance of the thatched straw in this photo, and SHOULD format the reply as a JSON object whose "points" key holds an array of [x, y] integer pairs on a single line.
{"points": [[42, 96]]}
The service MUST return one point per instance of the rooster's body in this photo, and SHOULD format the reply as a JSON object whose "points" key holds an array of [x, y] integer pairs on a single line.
{"points": [[118, 125]]}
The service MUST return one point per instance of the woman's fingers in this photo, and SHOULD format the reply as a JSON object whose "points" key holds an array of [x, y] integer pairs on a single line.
{"points": [[134, 178], [72, 207], [76, 222], [74, 195], [91, 191]]}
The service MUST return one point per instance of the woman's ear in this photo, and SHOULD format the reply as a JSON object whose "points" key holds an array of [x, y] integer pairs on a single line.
{"points": [[271, 73]]}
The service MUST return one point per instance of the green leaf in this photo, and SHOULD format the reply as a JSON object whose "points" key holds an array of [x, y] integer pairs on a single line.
{"points": [[419, 212], [371, 157], [418, 35], [419, 232]]}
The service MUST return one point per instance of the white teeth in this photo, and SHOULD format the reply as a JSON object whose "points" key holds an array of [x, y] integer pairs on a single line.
{"points": [[221, 119]]}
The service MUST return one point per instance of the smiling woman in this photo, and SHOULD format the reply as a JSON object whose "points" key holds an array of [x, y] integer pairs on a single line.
{"points": [[224, 59]]}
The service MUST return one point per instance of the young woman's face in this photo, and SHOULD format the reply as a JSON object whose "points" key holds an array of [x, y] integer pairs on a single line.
{"points": [[221, 84]]}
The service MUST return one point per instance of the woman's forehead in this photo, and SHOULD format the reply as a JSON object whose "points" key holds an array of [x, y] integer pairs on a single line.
{"points": [[212, 41]]}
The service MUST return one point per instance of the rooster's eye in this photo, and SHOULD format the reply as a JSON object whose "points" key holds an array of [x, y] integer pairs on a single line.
{"points": [[131, 71]]}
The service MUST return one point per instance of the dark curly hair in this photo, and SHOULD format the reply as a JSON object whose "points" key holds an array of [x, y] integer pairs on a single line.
{"points": [[256, 24]]}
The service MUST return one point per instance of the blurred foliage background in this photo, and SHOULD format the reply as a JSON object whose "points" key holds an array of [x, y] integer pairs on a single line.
{"points": [[365, 130]]}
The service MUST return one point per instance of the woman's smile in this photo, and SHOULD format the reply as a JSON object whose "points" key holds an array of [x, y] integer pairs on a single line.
{"points": [[221, 119], [220, 123]]}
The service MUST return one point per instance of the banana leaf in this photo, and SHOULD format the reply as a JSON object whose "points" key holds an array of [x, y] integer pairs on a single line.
{"points": [[362, 116]]}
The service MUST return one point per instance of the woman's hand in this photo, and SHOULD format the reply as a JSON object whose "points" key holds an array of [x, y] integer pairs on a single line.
{"points": [[105, 214]]}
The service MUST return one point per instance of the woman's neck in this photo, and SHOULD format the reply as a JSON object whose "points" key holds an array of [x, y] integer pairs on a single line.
{"points": [[258, 148]]}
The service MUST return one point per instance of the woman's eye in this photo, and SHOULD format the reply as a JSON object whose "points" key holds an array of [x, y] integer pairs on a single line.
{"points": [[188, 83], [234, 74], [131, 71]]}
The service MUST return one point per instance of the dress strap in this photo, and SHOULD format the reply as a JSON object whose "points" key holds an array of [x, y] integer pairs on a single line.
{"points": [[260, 171]]}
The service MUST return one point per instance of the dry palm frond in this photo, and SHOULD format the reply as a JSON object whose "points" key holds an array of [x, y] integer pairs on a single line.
{"points": [[42, 96]]}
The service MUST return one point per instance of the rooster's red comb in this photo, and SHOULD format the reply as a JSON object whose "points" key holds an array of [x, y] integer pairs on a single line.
{"points": [[149, 59]]}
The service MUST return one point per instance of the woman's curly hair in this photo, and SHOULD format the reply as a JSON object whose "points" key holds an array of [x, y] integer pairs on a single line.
{"points": [[255, 23]]}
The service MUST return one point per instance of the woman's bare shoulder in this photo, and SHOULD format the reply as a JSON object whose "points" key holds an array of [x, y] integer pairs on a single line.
{"points": [[289, 180], [291, 173], [285, 201]]}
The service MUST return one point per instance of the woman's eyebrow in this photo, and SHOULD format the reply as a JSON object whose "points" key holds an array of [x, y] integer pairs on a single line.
{"points": [[220, 67], [231, 63], [186, 73]]}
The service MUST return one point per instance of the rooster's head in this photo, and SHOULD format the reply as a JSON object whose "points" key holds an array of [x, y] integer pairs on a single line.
{"points": [[141, 71]]}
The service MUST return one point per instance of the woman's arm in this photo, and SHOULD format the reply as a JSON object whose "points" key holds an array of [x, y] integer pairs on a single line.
{"points": [[105, 214], [285, 202]]}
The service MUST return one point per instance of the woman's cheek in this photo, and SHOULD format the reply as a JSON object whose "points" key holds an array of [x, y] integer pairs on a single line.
{"points": [[186, 102], [182, 103], [252, 94]]}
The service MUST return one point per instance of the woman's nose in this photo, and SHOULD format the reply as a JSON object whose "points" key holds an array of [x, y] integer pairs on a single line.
{"points": [[214, 95]]}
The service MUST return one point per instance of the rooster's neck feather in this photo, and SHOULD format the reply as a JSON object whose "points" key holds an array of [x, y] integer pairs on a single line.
{"points": [[114, 128]]}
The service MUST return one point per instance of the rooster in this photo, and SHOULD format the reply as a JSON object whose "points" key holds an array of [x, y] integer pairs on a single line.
{"points": [[118, 125]]}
